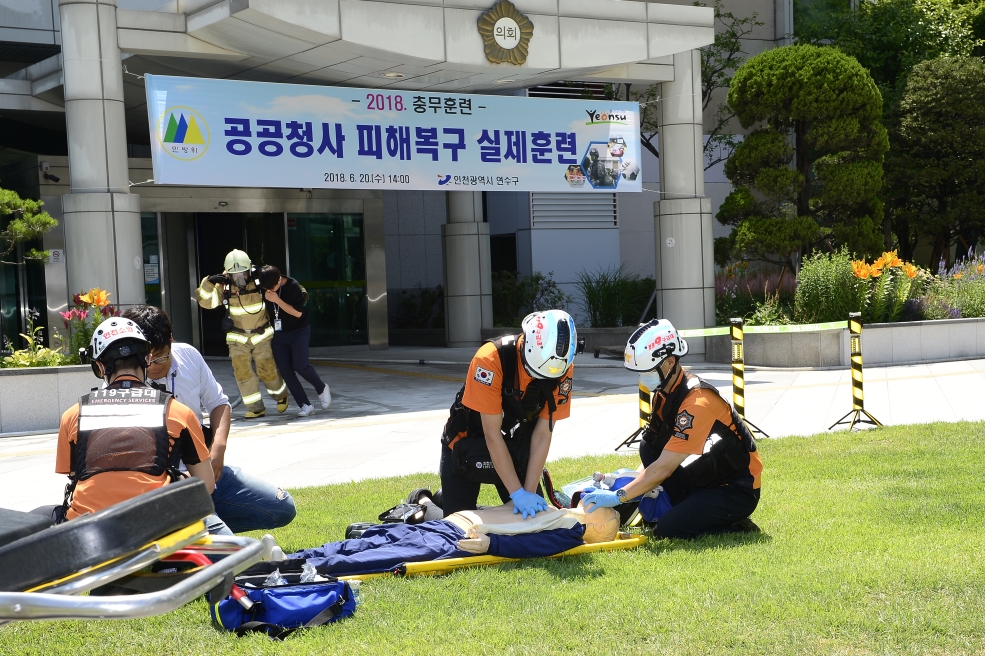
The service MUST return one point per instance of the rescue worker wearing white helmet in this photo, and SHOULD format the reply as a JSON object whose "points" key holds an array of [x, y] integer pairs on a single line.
{"points": [[499, 428], [127, 438], [248, 331], [695, 445]]}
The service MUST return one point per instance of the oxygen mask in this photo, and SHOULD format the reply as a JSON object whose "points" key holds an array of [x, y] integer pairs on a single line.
{"points": [[240, 279]]}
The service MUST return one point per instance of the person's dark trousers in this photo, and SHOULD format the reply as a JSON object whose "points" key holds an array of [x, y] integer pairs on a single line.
{"points": [[458, 493], [291, 355], [699, 511]]}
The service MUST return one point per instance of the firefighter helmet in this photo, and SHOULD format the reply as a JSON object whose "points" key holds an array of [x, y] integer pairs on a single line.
{"points": [[651, 344], [113, 339], [549, 343]]}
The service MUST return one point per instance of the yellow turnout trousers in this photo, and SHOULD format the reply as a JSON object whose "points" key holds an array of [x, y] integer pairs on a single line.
{"points": [[248, 381]]}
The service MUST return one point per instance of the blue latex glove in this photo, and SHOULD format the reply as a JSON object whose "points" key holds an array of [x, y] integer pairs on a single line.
{"points": [[527, 503], [593, 497]]}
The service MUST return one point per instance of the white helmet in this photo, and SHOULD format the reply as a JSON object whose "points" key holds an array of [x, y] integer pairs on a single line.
{"points": [[115, 338], [651, 344], [549, 343]]}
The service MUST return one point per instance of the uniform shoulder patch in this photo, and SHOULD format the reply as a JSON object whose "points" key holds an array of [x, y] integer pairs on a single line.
{"points": [[564, 389], [484, 376], [682, 423]]}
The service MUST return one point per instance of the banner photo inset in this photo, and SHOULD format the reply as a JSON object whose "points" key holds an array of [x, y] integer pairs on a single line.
{"points": [[256, 134]]}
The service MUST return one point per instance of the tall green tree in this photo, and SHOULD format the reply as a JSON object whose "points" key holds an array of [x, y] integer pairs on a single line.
{"points": [[936, 171], [809, 171], [889, 38]]}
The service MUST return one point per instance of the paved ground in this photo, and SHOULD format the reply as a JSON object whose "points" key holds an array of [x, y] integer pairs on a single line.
{"points": [[387, 414]]}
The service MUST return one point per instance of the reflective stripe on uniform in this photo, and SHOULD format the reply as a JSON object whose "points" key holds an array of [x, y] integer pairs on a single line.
{"points": [[210, 297], [235, 338], [253, 308], [251, 398], [278, 390], [267, 334]]}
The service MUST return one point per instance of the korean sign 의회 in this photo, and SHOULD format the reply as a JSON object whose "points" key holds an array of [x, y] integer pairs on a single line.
{"points": [[255, 134]]}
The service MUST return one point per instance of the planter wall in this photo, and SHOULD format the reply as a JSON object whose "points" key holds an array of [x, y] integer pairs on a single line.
{"points": [[33, 399], [883, 344], [594, 337]]}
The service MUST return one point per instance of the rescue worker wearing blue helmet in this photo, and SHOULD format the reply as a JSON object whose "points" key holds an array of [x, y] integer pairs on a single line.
{"points": [[500, 425]]}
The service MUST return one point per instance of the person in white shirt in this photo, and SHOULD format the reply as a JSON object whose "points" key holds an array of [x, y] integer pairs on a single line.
{"points": [[243, 502]]}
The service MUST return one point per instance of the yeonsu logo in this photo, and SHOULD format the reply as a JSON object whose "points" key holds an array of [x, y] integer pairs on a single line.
{"points": [[595, 118], [183, 133]]}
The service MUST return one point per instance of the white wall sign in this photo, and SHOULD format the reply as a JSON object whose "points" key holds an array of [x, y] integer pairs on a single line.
{"points": [[254, 134]]}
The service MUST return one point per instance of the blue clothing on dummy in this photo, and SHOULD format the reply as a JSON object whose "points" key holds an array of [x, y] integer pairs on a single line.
{"points": [[382, 548]]}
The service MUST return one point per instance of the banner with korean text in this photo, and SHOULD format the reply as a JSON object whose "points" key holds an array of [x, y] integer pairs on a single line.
{"points": [[255, 134]]}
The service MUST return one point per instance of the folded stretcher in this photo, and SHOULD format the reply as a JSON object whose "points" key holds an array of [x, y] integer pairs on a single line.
{"points": [[42, 569], [443, 566]]}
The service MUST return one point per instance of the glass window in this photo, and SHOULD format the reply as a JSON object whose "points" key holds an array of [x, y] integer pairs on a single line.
{"points": [[326, 256], [151, 254]]}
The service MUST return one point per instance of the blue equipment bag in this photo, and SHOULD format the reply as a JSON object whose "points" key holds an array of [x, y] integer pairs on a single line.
{"points": [[653, 508], [280, 610]]}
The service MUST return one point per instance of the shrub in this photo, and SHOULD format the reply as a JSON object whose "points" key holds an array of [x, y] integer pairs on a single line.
{"points": [[35, 354], [419, 308], [891, 282], [954, 293], [514, 297], [613, 297], [827, 289], [91, 308], [741, 292]]}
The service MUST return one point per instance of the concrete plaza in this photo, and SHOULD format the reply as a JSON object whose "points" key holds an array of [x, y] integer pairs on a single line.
{"points": [[387, 414]]}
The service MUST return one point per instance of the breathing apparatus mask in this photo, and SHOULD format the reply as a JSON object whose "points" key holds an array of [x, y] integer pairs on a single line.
{"points": [[240, 278]]}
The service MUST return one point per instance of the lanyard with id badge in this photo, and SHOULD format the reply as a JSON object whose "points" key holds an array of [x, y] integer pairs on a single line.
{"points": [[277, 312]]}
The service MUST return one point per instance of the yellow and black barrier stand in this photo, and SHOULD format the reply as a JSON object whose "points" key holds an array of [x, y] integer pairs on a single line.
{"points": [[739, 370], [643, 401], [856, 362]]}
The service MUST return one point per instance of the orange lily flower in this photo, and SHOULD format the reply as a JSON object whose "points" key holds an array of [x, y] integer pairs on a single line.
{"points": [[96, 296], [910, 270], [957, 275], [861, 269], [875, 271]]}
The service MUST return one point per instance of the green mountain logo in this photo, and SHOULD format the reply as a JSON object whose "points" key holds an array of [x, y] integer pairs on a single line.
{"points": [[183, 129]]}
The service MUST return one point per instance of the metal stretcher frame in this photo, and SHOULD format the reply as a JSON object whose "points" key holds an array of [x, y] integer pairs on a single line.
{"points": [[433, 567], [56, 600]]}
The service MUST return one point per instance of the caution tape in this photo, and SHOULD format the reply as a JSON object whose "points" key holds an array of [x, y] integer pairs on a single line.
{"points": [[787, 328]]}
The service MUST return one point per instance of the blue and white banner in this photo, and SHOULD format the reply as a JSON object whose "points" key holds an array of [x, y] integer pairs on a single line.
{"points": [[255, 134]]}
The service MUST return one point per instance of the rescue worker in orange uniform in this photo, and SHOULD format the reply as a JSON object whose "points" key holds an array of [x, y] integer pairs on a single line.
{"points": [[128, 438], [248, 331], [696, 446], [499, 428]]}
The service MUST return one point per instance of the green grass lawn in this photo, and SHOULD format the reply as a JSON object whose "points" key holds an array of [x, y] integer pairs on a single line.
{"points": [[872, 544]]}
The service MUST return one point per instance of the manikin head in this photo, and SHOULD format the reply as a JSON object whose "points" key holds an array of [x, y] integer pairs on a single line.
{"points": [[601, 525]]}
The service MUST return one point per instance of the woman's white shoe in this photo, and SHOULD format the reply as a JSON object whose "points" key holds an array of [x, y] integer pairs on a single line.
{"points": [[306, 410], [325, 397]]}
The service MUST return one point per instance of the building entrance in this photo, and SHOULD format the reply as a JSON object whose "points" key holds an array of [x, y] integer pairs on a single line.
{"points": [[260, 235]]}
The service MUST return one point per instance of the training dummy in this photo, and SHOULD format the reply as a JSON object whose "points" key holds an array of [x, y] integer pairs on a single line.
{"points": [[496, 531]]}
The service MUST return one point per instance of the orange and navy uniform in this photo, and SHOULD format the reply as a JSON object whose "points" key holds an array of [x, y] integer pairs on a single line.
{"points": [[694, 425], [111, 487], [484, 385]]}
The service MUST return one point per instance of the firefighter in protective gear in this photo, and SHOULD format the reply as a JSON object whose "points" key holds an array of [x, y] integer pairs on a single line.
{"points": [[695, 445], [248, 331]]}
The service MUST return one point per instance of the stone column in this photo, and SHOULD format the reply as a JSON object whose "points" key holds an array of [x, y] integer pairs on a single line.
{"points": [[683, 216], [102, 219], [468, 282]]}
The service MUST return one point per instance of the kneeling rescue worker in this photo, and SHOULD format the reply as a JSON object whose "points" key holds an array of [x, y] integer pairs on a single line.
{"points": [[248, 331], [128, 438], [695, 446], [499, 428]]}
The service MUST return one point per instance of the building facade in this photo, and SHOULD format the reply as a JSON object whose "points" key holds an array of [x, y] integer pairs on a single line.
{"points": [[74, 133]]}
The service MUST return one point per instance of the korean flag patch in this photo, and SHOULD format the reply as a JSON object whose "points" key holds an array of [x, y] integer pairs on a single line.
{"points": [[484, 376]]}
